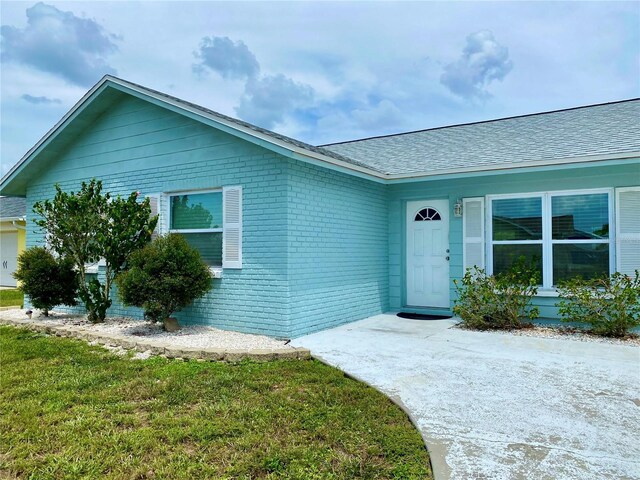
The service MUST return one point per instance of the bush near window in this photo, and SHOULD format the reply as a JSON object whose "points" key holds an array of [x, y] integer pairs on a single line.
{"points": [[164, 277], [48, 281], [488, 302], [610, 304], [88, 226]]}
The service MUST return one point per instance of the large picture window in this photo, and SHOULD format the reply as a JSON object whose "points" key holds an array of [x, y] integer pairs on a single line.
{"points": [[198, 217], [565, 234]]}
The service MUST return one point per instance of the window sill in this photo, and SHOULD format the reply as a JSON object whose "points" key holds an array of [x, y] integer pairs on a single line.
{"points": [[216, 272]]}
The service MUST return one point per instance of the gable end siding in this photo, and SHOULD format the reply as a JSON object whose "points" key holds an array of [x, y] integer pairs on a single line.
{"points": [[569, 179]]}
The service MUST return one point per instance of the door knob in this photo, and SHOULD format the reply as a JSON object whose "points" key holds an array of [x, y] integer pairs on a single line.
{"points": [[447, 257]]}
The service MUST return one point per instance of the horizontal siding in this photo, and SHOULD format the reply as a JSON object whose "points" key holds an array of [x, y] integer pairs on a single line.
{"points": [[566, 179], [137, 147]]}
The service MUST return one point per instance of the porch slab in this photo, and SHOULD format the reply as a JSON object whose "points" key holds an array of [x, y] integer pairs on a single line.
{"points": [[499, 406]]}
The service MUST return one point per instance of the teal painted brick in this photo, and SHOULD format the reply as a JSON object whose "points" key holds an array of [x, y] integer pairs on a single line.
{"points": [[338, 248], [314, 241], [148, 149]]}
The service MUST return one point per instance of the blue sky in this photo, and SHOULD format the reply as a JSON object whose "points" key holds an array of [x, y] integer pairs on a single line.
{"points": [[319, 71]]}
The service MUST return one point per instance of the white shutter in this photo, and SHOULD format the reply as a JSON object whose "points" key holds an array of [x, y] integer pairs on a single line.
{"points": [[232, 227], [628, 230], [473, 232], [159, 203], [154, 203]]}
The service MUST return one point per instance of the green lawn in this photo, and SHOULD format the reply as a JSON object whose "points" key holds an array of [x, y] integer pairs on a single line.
{"points": [[10, 298], [69, 410]]}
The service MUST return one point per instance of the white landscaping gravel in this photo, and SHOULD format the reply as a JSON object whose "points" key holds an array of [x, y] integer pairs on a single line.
{"points": [[192, 336], [565, 333]]}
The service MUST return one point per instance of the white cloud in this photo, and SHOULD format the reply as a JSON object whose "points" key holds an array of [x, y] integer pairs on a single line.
{"points": [[60, 43], [381, 116], [41, 100], [269, 99], [230, 59], [483, 60]]}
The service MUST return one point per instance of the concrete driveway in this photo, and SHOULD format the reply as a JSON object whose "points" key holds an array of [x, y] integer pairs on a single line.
{"points": [[498, 406]]}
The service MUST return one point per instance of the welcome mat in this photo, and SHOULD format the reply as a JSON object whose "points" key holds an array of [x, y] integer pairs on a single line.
{"points": [[422, 316]]}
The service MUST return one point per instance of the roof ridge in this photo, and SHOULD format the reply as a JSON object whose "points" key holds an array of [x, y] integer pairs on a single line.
{"points": [[479, 122]]}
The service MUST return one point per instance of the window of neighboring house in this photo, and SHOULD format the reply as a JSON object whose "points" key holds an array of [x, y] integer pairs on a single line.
{"points": [[198, 217], [565, 234]]}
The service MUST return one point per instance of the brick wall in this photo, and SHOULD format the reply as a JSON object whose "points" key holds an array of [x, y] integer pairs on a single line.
{"points": [[138, 147], [337, 248]]}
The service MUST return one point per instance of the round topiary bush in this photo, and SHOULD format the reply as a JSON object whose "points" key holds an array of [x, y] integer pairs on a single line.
{"points": [[164, 277], [47, 280]]}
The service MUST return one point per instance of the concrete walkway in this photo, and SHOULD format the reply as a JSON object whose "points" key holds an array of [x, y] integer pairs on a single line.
{"points": [[497, 406]]}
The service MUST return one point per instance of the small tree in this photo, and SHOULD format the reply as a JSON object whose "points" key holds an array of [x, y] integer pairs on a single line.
{"points": [[164, 277], [88, 226], [48, 281], [611, 305]]}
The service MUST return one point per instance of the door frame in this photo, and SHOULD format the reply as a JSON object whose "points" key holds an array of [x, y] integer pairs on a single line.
{"points": [[404, 256]]}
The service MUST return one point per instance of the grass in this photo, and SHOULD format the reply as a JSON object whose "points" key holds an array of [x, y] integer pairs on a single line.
{"points": [[69, 410], [10, 298]]}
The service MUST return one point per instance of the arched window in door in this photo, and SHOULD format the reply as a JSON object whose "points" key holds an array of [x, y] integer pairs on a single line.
{"points": [[427, 214]]}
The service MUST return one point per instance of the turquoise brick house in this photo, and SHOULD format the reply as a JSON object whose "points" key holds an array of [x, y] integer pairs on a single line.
{"points": [[301, 238]]}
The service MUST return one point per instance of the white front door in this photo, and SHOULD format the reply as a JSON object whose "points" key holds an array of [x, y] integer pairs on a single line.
{"points": [[8, 258], [428, 253]]}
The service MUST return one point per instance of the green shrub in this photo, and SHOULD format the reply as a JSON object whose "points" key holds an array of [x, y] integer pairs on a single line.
{"points": [[497, 302], [88, 226], [48, 281], [164, 277], [611, 305]]}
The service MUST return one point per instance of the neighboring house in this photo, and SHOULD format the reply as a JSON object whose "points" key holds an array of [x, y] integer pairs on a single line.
{"points": [[12, 237], [303, 238]]}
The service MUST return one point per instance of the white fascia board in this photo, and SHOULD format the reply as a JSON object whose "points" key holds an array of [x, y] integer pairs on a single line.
{"points": [[529, 164], [54, 130]]}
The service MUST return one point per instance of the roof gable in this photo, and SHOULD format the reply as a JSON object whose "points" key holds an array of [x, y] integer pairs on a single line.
{"points": [[110, 90]]}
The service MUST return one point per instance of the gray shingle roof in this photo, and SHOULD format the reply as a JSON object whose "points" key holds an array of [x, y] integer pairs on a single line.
{"points": [[605, 129], [11, 207]]}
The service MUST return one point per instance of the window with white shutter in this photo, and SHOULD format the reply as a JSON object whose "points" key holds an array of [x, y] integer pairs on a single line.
{"points": [[210, 221], [473, 232], [628, 230]]}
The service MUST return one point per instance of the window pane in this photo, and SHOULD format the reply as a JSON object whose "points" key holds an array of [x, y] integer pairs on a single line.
{"points": [[580, 216], [202, 210], [208, 244], [585, 259], [505, 255], [517, 219]]}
